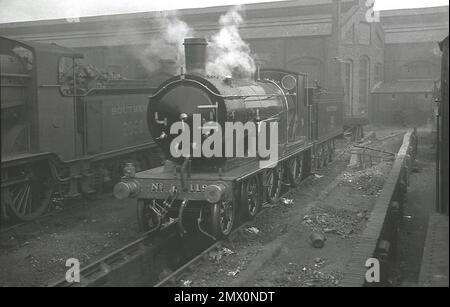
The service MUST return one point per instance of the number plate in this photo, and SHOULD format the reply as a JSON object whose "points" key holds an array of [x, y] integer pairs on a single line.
{"points": [[160, 189]]}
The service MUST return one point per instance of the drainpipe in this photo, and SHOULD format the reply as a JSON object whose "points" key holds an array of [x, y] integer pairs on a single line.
{"points": [[336, 42]]}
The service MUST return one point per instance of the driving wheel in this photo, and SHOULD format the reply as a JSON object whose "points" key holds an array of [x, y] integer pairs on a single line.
{"points": [[251, 197]]}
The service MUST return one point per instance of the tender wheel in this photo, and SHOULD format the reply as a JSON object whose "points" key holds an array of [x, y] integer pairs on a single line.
{"points": [[31, 197], [222, 219], [273, 183], [146, 216], [251, 197]]}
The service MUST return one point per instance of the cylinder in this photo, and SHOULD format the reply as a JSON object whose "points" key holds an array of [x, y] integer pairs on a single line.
{"points": [[195, 55]]}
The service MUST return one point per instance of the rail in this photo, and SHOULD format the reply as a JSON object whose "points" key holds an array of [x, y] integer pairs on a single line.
{"points": [[138, 264], [134, 257], [379, 238], [168, 280]]}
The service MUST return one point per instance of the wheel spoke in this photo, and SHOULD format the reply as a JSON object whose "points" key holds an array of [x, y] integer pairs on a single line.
{"points": [[252, 201], [300, 167], [222, 217], [269, 183], [270, 178], [225, 216], [21, 202], [24, 205], [16, 193], [29, 202], [30, 198]]}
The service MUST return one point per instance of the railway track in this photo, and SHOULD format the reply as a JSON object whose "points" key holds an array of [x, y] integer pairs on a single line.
{"points": [[173, 276], [107, 270], [144, 252], [102, 271], [170, 279], [137, 263]]}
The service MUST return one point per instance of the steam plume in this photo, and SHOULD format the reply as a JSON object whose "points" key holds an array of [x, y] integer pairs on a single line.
{"points": [[166, 46], [228, 53]]}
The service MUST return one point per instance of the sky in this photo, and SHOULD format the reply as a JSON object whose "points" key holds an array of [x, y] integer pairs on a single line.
{"points": [[26, 10]]}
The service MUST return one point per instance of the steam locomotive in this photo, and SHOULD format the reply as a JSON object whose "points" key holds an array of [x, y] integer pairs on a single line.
{"points": [[57, 137], [212, 192]]}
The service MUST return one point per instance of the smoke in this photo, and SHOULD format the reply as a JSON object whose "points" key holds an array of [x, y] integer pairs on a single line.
{"points": [[228, 53], [167, 46]]}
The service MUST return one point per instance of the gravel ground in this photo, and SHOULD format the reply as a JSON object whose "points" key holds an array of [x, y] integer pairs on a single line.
{"points": [[35, 254], [275, 250]]}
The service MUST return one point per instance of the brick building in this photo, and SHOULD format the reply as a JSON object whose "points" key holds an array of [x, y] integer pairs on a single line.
{"points": [[412, 65], [330, 40]]}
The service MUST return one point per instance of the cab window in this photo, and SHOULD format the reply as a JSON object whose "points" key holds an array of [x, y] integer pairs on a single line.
{"points": [[25, 55], [65, 70]]}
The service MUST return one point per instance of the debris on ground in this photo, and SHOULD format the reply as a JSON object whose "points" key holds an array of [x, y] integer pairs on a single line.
{"points": [[330, 205], [217, 255], [234, 273], [370, 181], [253, 230], [329, 220], [317, 239], [318, 262], [287, 201], [110, 234], [186, 283], [309, 276]]}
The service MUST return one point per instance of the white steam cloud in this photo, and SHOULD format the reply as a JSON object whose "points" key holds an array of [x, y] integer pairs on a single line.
{"points": [[228, 54], [168, 46]]}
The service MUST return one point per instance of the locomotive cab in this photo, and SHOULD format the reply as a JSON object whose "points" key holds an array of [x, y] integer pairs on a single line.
{"points": [[35, 117], [17, 71], [57, 137], [24, 73]]}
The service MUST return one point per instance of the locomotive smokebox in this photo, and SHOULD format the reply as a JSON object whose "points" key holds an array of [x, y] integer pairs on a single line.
{"points": [[195, 55]]}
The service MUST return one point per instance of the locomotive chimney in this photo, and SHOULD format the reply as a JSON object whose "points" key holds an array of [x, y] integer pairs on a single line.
{"points": [[195, 55]]}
